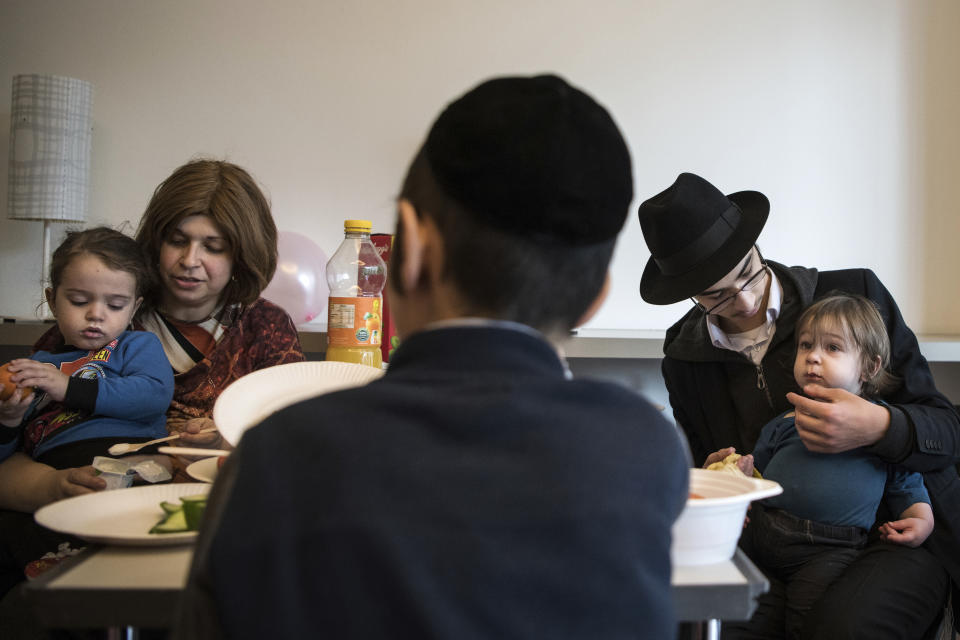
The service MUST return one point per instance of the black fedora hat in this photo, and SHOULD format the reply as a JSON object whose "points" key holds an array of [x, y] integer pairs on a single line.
{"points": [[696, 236]]}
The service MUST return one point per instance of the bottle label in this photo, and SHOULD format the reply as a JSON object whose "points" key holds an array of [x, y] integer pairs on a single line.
{"points": [[354, 322]]}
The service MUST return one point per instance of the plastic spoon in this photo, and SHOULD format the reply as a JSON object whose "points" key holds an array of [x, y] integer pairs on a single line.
{"points": [[122, 448]]}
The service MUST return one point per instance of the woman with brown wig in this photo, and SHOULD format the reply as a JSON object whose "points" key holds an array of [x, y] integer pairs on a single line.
{"points": [[211, 240], [209, 237]]}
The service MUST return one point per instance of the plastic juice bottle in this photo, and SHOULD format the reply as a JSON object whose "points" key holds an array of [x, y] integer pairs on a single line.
{"points": [[356, 275]]}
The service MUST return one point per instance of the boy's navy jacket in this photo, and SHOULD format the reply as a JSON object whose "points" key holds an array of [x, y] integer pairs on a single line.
{"points": [[472, 492]]}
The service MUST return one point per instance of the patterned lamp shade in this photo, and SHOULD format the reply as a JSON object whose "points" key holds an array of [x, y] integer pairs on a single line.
{"points": [[50, 138]]}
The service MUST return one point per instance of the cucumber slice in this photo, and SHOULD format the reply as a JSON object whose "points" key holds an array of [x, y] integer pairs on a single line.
{"points": [[170, 507], [193, 508], [175, 522]]}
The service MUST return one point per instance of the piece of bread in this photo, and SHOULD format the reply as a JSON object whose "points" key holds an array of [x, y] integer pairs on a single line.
{"points": [[728, 465]]}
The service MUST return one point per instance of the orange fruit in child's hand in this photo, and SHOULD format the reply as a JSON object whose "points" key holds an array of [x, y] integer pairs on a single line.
{"points": [[6, 387]]}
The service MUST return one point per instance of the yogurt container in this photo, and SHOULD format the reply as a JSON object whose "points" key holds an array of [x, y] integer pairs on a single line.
{"points": [[116, 473]]}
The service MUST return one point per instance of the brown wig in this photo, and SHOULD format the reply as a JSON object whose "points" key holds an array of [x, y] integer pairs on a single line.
{"points": [[230, 197]]}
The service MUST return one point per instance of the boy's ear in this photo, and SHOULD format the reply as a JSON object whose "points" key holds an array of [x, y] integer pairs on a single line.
{"points": [[597, 302], [411, 239], [51, 299], [422, 249]]}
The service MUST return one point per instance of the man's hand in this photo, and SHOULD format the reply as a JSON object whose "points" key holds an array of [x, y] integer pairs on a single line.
{"points": [[835, 420]]}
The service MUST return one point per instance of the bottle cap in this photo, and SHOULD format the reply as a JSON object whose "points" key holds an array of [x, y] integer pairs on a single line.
{"points": [[355, 226]]}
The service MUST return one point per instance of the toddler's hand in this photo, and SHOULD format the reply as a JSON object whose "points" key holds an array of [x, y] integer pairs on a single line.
{"points": [[30, 373], [13, 408], [745, 463], [910, 532], [728, 460]]}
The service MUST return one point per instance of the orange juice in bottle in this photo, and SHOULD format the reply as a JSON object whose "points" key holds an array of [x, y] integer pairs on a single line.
{"points": [[356, 275]]}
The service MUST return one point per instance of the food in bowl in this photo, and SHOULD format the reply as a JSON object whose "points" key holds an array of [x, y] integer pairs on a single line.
{"points": [[709, 527], [728, 465]]}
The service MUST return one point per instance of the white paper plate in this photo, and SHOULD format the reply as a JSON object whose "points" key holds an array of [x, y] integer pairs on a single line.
{"points": [[255, 396], [204, 470], [123, 516]]}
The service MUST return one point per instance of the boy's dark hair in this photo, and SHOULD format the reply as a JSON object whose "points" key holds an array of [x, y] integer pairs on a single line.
{"points": [[116, 250], [860, 320], [528, 180], [527, 279], [230, 197]]}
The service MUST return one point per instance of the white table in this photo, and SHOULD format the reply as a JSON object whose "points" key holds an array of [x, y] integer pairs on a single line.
{"points": [[138, 587], [707, 594], [112, 586]]}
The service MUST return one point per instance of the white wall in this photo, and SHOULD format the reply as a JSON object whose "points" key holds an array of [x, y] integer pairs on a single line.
{"points": [[844, 112]]}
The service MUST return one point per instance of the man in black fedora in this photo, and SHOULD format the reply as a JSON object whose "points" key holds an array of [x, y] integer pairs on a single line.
{"points": [[728, 368], [475, 490]]}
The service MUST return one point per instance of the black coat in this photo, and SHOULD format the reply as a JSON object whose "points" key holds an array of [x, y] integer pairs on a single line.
{"points": [[472, 492], [717, 402]]}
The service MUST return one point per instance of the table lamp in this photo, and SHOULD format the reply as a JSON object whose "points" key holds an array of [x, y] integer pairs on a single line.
{"points": [[50, 138]]}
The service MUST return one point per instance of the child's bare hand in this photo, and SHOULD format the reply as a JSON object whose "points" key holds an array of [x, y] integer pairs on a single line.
{"points": [[745, 464], [30, 373], [910, 532], [718, 456], [13, 408]]}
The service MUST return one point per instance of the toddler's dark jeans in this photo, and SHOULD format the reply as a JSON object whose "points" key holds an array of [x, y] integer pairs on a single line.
{"points": [[804, 555]]}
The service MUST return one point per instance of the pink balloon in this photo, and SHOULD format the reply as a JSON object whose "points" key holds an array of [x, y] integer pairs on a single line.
{"points": [[300, 283]]}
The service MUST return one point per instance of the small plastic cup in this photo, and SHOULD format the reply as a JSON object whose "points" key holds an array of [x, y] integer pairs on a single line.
{"points": [[116, 480], [116, 473]]}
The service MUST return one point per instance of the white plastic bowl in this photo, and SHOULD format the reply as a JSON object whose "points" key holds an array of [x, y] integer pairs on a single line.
{"points": [[708, 529]]}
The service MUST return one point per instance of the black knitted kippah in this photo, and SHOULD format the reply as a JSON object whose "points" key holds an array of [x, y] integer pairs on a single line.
{"points": [[534, 156]]}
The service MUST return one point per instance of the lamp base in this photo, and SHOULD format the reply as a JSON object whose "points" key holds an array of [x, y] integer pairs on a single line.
{"points": [[45, 313]]}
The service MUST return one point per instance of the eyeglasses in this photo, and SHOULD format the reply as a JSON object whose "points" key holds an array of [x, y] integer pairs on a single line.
{"points": [[752, 281]]}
